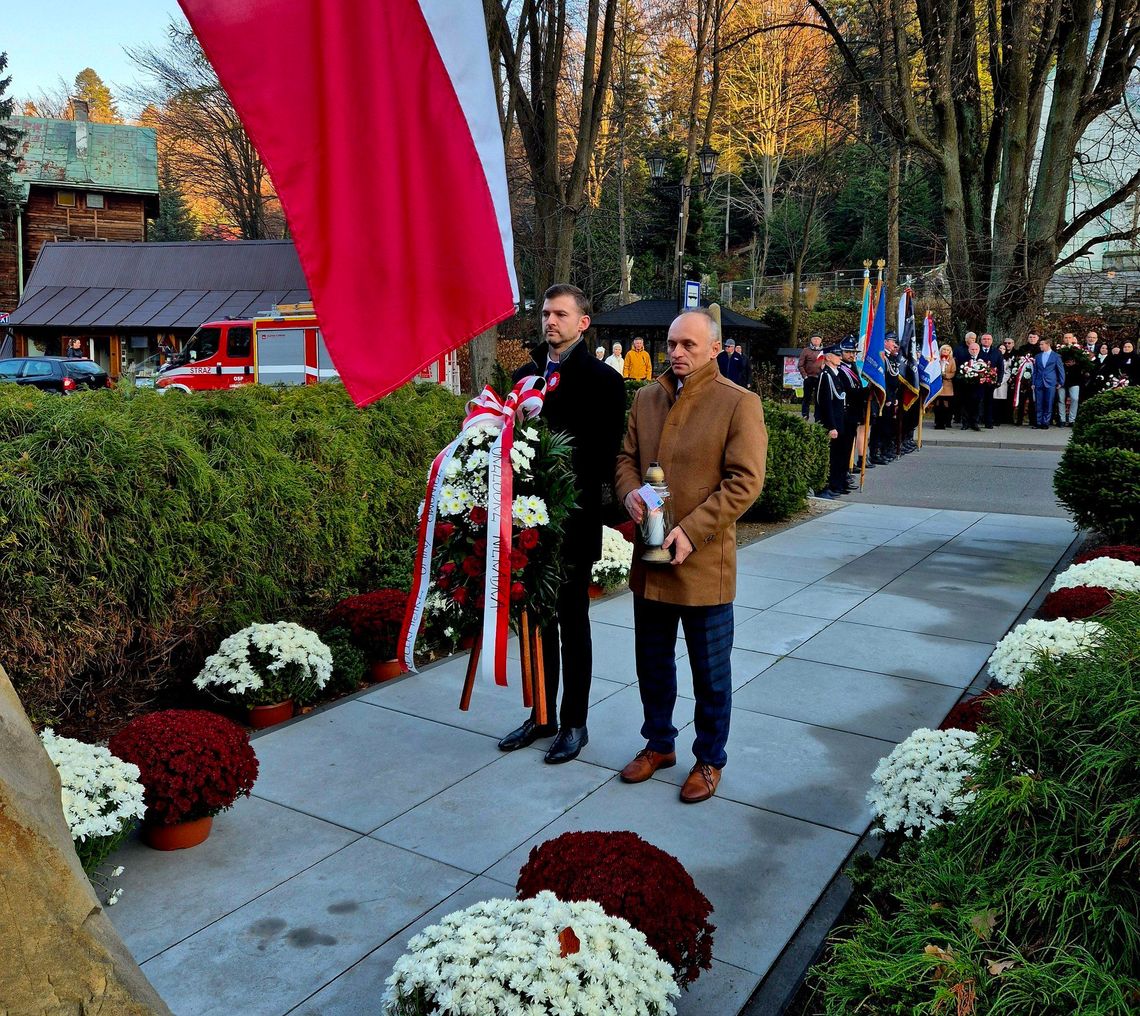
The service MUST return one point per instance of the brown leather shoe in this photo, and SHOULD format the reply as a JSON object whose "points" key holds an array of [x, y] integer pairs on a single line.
{"points": [[645, 763], [701, 784]]}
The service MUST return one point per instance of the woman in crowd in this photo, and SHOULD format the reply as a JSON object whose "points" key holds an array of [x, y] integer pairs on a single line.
{"points": [[1128, 365], [944, 404], [1002, 400]]}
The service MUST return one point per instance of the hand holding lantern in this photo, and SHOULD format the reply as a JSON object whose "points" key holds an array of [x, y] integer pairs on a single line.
{"points": [[658, 520]]}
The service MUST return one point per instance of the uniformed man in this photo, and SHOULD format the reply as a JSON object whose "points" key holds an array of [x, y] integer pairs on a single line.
{"points": [[856, 398], [884, 446], [831, 414]]}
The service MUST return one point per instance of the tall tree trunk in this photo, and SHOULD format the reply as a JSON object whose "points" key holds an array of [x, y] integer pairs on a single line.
{"points": [[623, 243], [893, 175], [483, 351]]}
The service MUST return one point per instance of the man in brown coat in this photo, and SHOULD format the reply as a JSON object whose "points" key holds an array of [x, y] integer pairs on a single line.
{"points": [[709, 437]]}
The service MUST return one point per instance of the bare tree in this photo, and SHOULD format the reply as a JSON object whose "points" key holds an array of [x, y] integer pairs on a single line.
{"points": [[532, 49], [1054, 69], [201, 136]]}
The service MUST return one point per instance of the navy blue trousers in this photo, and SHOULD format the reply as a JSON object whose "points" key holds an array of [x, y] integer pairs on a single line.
{"points": [[1043, 397], [708, 634]]}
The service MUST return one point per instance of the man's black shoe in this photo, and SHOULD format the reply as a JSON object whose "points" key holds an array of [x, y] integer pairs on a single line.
{"points": [[569, 742], [526, 735], [827, 495]]}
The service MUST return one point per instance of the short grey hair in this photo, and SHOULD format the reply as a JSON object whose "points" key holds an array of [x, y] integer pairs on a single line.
{"points": [[714, 328], [970, 337]]}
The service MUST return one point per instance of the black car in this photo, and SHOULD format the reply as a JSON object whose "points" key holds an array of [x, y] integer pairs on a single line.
{"points": [[54, 373]]}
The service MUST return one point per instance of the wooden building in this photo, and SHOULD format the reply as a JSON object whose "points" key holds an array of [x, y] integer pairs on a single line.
{"points": [[121, 299], [77, 182]]}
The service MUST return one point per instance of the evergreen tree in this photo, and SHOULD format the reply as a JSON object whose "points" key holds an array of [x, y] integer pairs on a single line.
{"points": [[175, 220], [9, 140], [101, 106]]}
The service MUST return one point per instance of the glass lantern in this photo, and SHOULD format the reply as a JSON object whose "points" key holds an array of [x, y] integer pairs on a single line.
{"points": [[658, 521]]}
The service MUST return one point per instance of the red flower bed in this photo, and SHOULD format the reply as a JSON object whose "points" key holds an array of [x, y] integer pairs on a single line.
{"points": [[633, 879], [192, 763], [1120, 551], [374, 619], [967, 715], [1075, 603]]}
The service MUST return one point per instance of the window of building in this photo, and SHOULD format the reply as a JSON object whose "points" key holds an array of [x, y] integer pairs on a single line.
{"points": [[95, 201], [65, 198]]}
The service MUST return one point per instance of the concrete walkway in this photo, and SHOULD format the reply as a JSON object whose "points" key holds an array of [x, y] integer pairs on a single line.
{"points": [[384, 812]]}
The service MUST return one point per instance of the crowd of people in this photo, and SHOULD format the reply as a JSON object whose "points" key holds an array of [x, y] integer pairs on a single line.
{"points": [[637, 365], [1035, 384]]}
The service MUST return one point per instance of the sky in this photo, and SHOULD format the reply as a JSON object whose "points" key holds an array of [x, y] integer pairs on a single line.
{"points": [[58, 38]]}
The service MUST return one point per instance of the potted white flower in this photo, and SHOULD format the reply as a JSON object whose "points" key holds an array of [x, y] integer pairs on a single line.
{"points": [[1024, 647], [102, 798], [268, 667], [539, 956], [612, 568]]}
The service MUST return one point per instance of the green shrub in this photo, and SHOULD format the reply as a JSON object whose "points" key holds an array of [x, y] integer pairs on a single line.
{"points": [[1101, 487], [797, 462], [1032, 897], [1119, 428], [140, 529], [349, 663], [1099, 406]]}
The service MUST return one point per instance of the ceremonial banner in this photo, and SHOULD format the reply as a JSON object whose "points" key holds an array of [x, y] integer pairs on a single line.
{"points": [[930, 362], [873, 362], [909, 380], [379, 125], [864, 322]]}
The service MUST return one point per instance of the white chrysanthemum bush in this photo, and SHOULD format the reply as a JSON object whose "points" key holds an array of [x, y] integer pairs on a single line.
{"points": [[267, 663], [533, 957], [612, 569], [1024, 647], [102, 798], [1108, 572], [923, 782]]}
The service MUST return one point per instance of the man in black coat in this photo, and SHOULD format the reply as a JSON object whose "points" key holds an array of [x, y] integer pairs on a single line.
{"points": [[734, 365], [831, 414], [991, 355], [588, 404]]}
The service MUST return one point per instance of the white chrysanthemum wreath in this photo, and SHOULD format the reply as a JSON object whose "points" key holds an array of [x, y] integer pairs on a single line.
{"points": [[266, 663], [1119, 576], [923, 782], [534, 957], [1022, 648]]}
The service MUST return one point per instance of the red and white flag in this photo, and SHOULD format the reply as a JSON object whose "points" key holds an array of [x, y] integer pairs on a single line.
{"points": [[379, 125]]}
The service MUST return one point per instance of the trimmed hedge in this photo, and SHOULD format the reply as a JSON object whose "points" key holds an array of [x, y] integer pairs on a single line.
{"points": [[797, 461], [139, 529], [1098, 479]]}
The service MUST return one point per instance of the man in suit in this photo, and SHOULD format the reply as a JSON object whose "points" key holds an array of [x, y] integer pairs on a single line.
{"points": [[588, 404], [734, 365], [991, 355], [971, 390], [1048, 378], [961, 355], [831, 414], [709, 437]]}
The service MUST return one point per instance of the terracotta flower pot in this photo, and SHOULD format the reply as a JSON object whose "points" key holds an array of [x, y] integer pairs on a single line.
{"points": [[261, 717], [596, 591], [178, 836], [384, 670]]}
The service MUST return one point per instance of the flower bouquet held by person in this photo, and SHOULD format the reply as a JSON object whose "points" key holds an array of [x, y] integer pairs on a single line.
{"points": [[977, 372], [490, 532]]}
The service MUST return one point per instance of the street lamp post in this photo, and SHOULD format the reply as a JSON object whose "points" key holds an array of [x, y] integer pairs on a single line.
{"points": [[707, 158]]}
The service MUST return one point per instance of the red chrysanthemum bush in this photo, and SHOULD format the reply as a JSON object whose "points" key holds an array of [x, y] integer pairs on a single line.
{"points": [[192, 763], [633, 879], [968, 714], [1120, 551], [1075, 603], [374, 619]]}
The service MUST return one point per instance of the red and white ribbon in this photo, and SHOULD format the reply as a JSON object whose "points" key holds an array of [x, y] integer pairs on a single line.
{"points": [[487, 410]]}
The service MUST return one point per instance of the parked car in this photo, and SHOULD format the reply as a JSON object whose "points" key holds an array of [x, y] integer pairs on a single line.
{"points": [[54, 373]]}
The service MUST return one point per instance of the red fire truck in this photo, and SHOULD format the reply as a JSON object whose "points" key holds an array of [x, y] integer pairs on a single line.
{"points": [[281, 347]]}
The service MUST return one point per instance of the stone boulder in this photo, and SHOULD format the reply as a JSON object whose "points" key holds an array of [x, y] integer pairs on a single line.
{"points": [[59, 953]]}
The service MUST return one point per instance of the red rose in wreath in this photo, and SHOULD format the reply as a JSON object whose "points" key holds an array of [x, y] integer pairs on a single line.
{"points": [[478, 516], [528, 539], [518, 560], [460, 596], [443, 530], [517, 592], [472, 566]]}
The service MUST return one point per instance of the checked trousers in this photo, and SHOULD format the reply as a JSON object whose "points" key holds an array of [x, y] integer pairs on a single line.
{"points": [[708, 634]]}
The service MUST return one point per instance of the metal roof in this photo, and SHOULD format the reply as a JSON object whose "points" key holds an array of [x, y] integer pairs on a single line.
{"points": [[118, 157], [660, 314], [139, 286]]}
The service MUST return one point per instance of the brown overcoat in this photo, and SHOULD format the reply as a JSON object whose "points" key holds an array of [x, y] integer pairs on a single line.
{"points": [[712, 444]]}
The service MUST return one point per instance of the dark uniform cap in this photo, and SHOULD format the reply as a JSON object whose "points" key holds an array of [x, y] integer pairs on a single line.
{"points": [[849, 344], [835, 350]]}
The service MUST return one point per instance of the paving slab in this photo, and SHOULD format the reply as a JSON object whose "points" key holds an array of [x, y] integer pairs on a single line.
{"points": [[809, 563], [615, 726], [193, 894], [618, 610], [746, 665], [473, 823], [975, 618], [823, 599], [359, 765], [777, 633], [266, 957], [902, 653], [877, 567], [859, 701], [760, 591], [797, 769], [761, 871]]}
